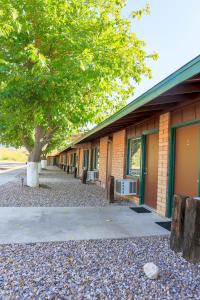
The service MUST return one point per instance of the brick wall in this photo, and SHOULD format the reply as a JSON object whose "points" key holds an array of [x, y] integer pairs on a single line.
{"points": [[118, 154], [103, 150], [164, 132]]}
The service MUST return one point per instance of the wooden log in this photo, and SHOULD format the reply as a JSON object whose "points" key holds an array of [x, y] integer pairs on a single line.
{"points": [[75, 172], [68, 169], [110, 189], [191, 242], [84, 177], [177, 226]]}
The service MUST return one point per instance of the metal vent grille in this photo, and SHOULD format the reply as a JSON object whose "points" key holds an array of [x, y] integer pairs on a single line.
{"points": [[126, 187]]}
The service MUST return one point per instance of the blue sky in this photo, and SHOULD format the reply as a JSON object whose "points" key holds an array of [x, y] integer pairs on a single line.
{"points": [[172, 30]]}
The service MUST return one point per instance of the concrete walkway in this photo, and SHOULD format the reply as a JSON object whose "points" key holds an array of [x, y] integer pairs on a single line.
{"points": [[9, 171], [45, 224]]}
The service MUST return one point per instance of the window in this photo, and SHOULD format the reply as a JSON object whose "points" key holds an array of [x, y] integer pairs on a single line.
{"points": [[95, 159], [73, 160], [85, 159], [134, 157]]}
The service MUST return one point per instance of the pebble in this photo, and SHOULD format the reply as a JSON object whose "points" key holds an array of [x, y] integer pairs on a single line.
{"points": [[96, 269], [151, 270], [58, 189]]}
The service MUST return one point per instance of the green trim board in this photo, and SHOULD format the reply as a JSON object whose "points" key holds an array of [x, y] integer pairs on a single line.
{"points": [[199, 168], [127, 156], [186, 123], [143, 165], [171, 166], [138, 145], [86, 159], [150, 131], [142, 160], [94, 158], [189, 70]]}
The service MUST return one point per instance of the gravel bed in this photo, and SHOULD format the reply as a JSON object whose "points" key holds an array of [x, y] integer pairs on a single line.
{"points": [[98, 269], [57, 189]]}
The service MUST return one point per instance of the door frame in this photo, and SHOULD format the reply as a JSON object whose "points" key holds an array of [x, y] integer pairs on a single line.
{"points": [[109, 159], [143, 163], [171, 165]]}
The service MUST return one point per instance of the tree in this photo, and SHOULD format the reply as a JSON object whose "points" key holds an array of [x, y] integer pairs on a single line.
{"points": [[64, 64]]}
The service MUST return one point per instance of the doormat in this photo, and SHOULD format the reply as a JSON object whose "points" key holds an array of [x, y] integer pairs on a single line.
{"points": [[166, 225], [140, 210]]}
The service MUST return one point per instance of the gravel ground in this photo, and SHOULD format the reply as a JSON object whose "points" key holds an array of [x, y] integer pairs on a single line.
{"points": [[98, 269], [57, 189]]}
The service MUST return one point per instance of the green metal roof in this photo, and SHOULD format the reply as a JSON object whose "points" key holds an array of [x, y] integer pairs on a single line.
{"points": [[187, 71]]}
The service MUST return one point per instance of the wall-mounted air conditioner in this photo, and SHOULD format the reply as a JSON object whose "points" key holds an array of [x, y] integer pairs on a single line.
{"points": [[92, 175], [126, 187]]}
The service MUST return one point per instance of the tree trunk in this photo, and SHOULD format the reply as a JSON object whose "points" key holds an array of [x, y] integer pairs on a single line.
{"points": [[43, 163], [32, 174], [39, 167], [41, 140], [177, 227], [191, 243], [34, 159]]}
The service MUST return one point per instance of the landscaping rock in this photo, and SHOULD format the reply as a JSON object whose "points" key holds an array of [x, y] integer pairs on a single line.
{"points": [[151, 270], [57, 189], [96, 269]]}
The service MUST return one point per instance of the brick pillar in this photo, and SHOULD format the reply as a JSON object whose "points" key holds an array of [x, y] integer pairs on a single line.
{"points": [[103, 152], [118, 154], [163, 154]]}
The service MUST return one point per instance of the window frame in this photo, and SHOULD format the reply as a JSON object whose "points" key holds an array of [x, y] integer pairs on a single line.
{"points": [[86, 161], [128, 157], [94, 158]]}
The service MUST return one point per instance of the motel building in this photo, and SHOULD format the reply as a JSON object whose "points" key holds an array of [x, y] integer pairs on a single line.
{"points": [[151, 146]]}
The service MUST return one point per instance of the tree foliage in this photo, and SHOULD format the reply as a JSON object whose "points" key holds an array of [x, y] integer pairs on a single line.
{"points": [[64, 63]]}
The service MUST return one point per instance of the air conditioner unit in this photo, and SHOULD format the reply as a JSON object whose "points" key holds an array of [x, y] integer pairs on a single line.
{"points": [[126, 187], [92, 175]]}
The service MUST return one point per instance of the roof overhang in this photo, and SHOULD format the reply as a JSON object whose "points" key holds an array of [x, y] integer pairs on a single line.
{"points": [[184, 84]]}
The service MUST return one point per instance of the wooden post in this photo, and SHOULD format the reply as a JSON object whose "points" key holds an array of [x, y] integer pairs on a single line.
{"points": [[84, 177], [75, 172], [68, 169], [110, 189], [177, 226], [191, 243]]}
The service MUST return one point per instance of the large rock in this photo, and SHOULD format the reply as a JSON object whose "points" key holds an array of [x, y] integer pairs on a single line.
{"points": [[151, 270]]}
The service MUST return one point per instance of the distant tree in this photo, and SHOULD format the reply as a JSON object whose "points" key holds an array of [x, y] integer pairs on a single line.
{"points": [[64, 64]]}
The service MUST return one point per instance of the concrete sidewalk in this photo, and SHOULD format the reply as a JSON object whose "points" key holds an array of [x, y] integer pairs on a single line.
{"points": [[45, 224], [9, 171]]}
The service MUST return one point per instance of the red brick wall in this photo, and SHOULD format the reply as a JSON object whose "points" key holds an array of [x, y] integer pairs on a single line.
{"points": [[118, 154], [164, 132]]}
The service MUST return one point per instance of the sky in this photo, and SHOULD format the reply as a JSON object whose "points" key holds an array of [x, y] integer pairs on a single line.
{"points": [[172, 30]]}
